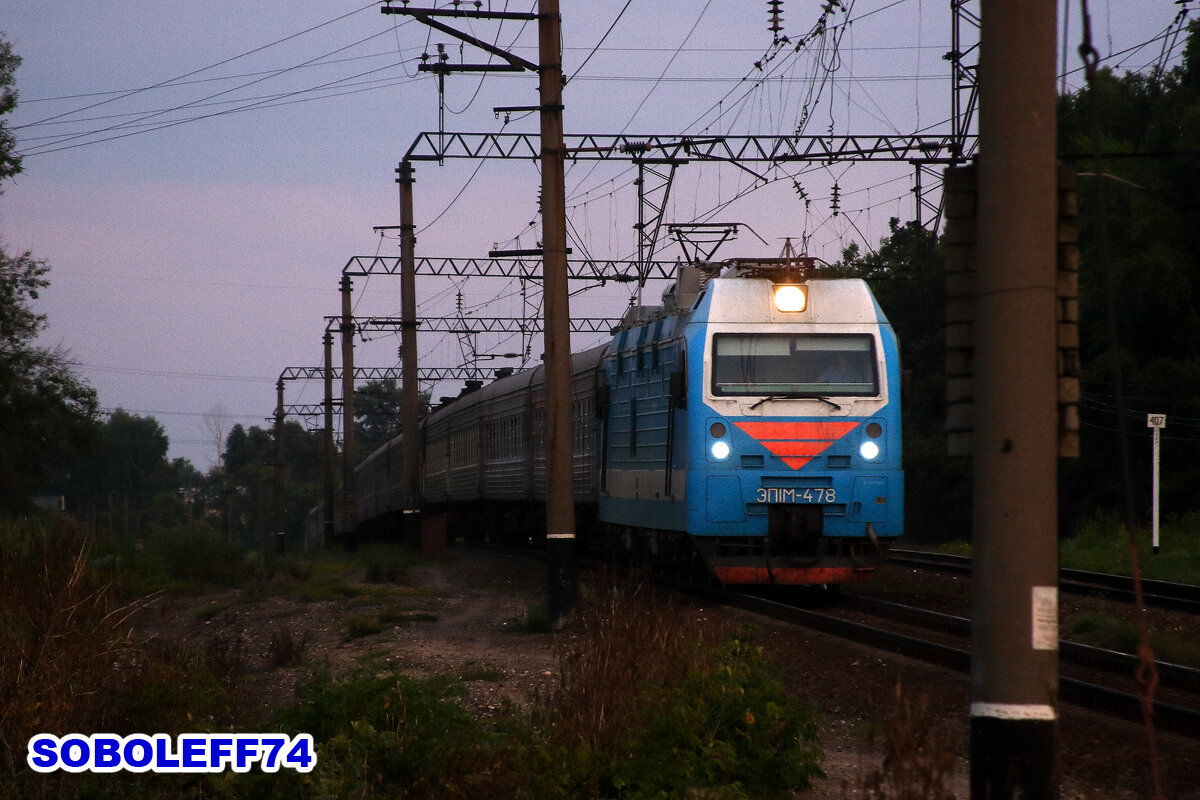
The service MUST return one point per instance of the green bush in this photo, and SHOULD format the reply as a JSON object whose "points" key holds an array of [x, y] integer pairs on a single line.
{"points": [[658, 703], [728, 730], [396, 737]]}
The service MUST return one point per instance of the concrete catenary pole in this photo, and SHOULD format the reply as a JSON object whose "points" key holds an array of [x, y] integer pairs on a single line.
{"points": [[330, 451], [1014, 674], [410, 474], [279, 517], [560, 508], [349, 527]]}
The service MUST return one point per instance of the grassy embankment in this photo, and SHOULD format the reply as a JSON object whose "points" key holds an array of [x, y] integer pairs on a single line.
{"points": [[649, 703]]}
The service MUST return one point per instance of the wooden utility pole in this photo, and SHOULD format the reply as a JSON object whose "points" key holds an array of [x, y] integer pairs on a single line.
{"points": [[1014, 646], [560, 503]]}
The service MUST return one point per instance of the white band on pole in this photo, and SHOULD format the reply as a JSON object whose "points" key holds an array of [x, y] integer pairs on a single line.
{"points": [[1019, 712]]}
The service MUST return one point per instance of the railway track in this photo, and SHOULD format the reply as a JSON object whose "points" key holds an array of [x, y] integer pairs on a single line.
{"points": [[1156, 594], [1089, 677]]}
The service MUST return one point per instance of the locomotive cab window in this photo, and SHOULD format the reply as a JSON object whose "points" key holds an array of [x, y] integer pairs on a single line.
{"points": [[794, 365]]}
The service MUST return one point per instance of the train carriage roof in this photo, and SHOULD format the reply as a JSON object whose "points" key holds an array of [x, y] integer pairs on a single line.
{"points": [[582, 362]]}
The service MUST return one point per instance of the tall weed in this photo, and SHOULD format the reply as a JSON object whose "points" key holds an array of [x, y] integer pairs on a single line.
{"points": [[64, 642], [657, 702]]}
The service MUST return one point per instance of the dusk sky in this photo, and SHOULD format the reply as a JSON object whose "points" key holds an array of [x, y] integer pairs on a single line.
{"points": [[198, 174]]}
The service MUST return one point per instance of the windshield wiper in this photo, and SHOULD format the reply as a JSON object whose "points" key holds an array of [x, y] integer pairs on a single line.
{"points": [[794, 397], [769, 397]]}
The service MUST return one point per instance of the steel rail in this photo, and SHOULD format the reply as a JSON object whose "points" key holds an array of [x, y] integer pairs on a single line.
{"points": [[1159, 594]]}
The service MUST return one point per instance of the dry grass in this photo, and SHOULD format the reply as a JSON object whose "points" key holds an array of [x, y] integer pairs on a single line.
{"points": [[624, 638], [918, 761], [65, 644]]}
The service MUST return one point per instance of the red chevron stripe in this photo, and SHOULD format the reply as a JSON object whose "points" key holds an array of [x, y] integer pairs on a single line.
{"points": [[797, 443], [813, 431]]}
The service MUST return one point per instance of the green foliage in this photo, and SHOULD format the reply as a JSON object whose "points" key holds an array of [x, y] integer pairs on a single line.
{"points": [[955, 548], [1139, 247], [728, 729], [183, 558], [211, 610], [10, 162], [397, 737], [321, 585], [244, 492], [376, 414], [649, 706], [47, 415], [908, 277], [1102, 545], [127, 479], [385, 563], [1123, 636], [359, 626]]}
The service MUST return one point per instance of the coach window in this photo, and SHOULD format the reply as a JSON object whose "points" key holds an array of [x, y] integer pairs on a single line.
{"points": [[633, 426]]}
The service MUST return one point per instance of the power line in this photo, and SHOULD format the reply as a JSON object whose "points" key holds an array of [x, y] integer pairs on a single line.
{"points": [[168, 373], [588, 58], [171, 81], [59, 143]]}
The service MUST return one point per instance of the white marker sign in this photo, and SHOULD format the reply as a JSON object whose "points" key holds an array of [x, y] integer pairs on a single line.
{"points": [[1157, 422]]}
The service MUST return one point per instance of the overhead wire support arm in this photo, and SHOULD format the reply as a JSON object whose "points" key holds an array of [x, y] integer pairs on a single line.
{"points": [[528, 268], [360, 373], [377, 374], [480, 325], [426, 16], [435, 146]]}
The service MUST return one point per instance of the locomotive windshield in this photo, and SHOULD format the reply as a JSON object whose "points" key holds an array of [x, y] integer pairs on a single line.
{"points": [[794, 365]]}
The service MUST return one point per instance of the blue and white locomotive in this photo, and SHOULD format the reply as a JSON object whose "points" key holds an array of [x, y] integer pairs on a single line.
{"points": [[749, 427]]}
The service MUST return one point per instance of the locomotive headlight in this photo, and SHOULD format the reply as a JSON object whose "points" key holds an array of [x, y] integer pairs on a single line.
{"points": [[789, 297], [720, 451], [869, 450]]}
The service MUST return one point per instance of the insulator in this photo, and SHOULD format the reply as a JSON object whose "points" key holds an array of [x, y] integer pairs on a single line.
{"points": [[773, 6], [836, 201]]}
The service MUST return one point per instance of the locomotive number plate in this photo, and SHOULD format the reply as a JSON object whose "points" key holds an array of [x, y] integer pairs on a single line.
{"points": [[780, 495]]}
